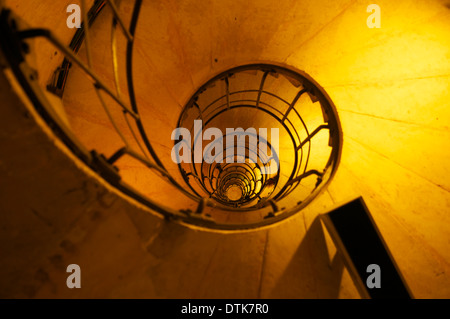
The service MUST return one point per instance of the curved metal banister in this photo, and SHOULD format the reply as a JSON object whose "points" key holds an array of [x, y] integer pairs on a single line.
{"points": [[218, 106], [261, 192]]}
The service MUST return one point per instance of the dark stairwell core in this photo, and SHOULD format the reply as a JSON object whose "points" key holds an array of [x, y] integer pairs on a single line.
{"points": [[224, 230]]}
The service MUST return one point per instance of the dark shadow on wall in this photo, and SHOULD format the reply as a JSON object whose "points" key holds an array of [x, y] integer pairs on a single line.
{"points": [[310, 273]]}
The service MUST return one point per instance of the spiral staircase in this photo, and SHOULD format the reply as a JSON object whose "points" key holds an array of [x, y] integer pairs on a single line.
{"points": [[89, 128]]}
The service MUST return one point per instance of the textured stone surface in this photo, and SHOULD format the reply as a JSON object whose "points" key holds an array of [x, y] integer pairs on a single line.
{"points": [[390, 87]]}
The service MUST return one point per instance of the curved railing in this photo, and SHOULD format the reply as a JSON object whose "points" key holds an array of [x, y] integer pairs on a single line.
{"points": [[15, 48], [253, 95], [209, 184]]}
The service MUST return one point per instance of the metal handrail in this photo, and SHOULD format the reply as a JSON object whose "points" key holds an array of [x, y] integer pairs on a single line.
{"points": [[12, 43], [224, 103]]}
